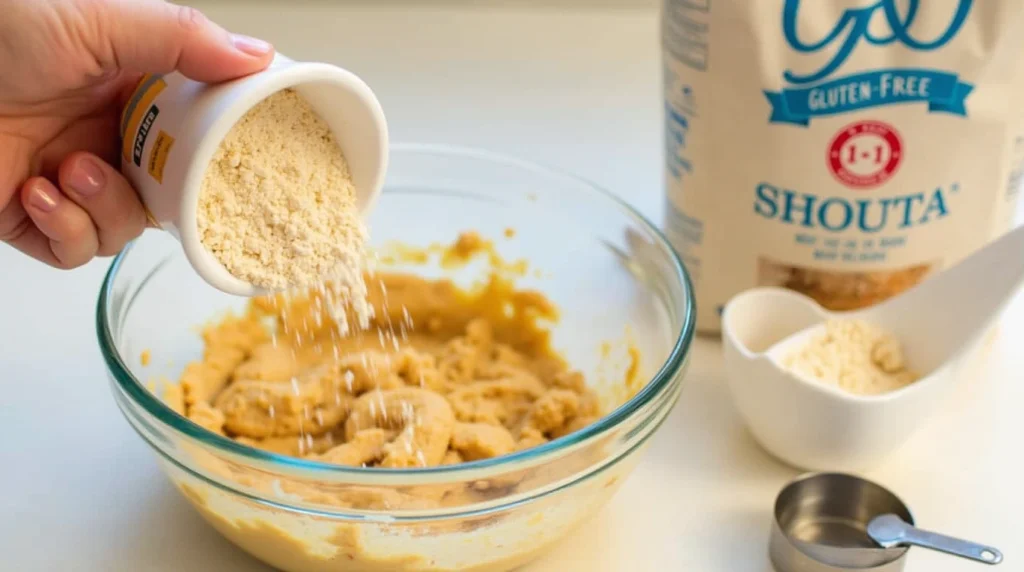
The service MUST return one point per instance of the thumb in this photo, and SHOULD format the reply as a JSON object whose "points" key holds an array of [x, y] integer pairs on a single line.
{"points": [[153, 36]]}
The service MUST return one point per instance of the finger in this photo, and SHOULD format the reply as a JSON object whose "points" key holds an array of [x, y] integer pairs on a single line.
{"points": [[64, 235], [81, 135], [154, 36], [107, 197]]}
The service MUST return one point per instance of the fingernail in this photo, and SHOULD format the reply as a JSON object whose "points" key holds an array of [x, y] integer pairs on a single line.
{"points": [[250, 45], [42, 198], [87, 177]]}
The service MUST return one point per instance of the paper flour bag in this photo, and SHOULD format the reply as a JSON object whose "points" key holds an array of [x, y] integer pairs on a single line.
{"points": [[845, 149]]}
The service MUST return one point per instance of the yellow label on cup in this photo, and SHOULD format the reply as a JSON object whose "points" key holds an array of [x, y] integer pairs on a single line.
{"points": [[138, 116], [158, 156]]}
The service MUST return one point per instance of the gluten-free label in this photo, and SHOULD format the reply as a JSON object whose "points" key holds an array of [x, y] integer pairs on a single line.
{"points": [[138, 117], [158, 156]]}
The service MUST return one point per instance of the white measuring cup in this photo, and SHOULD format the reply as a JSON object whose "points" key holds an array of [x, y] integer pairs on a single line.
{"points": [[817, 426], [172, 126]]}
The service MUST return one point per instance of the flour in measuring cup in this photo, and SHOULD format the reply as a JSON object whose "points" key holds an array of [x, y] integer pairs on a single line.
{"points": [[846, 149], [277, 206], [854, 356]]}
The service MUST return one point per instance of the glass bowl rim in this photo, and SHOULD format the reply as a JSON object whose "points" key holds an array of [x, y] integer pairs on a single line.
{"points": [[656, 385]]}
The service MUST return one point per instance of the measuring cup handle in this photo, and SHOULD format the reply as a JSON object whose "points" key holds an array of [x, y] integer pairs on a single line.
{"points": [[950, 545]]}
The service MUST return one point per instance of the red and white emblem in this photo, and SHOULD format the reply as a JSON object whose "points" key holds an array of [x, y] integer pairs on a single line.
{"points": [[865, 154]]}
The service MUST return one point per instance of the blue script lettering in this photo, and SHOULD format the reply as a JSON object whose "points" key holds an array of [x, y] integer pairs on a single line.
{"points": [[853, 27], [837, 214]]}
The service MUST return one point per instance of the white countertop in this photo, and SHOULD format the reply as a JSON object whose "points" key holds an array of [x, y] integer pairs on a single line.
{"points": [[82, 492]]}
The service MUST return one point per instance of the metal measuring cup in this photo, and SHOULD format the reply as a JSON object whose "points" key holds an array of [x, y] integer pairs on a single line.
{"points": [[833, 522]]}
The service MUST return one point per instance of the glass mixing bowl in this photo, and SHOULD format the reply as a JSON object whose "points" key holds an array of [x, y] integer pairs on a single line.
{"points": [[614, 278]]}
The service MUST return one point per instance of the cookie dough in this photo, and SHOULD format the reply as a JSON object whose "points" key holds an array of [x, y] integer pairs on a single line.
{"points": [[444, 376]]}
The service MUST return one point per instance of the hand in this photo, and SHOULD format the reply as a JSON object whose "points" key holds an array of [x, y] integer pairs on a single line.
{"points": [[66, 69]]}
